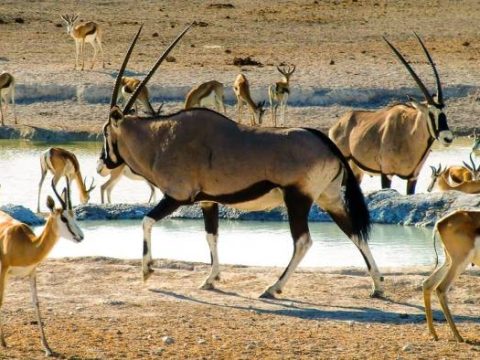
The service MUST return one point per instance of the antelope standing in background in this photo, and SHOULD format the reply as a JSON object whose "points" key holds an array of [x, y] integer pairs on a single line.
{"points": [[395, 140], [209, 93], [460, 235], [189, 156], [128, 86], [241, 88], [278, 94], [21, 251], [89, 32], [61, 162], [7, 93], [115, 175]]}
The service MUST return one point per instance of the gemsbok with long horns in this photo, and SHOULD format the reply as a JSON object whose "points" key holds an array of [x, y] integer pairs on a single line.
{"points": [[61, 162], [21, 251], [115, 176], [460, 235], [278, 94], [396, 140], [89, 32], [200, 156], [7, 94], [210, 93]]}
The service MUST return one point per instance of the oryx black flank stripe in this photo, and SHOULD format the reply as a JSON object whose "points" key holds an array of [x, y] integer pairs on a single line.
{"points": [[250, 193]]}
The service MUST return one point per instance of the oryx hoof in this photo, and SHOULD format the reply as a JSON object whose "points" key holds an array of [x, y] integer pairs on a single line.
{"points": [[48, 352], [270, 293], [207, 286], [377, 294]]}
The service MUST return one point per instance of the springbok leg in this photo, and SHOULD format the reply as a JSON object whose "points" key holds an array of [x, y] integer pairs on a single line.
{"points": [[3, 283], [298, 207], [164, 208], [210, 217], [35, 302]]}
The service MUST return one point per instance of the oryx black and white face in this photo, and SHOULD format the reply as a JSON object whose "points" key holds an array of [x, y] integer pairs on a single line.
{"points": [[109, 156], [438, 126]]}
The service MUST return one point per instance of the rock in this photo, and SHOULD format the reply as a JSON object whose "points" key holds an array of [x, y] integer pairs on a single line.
{"points": [[201, 341], [407, 347], [22, 214], [168, 340], [250, 346]]}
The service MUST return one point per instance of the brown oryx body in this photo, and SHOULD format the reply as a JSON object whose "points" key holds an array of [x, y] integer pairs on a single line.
{"points": [[241, 88], [61, 162], [115, 176], [128, 87], [200, 156], [89, 32], [207, 94], [278, 94], [394, 141], [460, 235], [7, 94], [21, 251]]}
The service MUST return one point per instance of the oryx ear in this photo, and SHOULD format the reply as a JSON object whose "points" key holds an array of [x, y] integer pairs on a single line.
{"points": [[414, 102], [116, 115], [50, 203]]}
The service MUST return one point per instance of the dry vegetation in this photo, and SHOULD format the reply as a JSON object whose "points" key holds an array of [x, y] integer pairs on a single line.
{"points": [[99, 309]]}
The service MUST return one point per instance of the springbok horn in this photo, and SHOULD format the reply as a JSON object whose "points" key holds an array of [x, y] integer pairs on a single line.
{"points": [[415, 77], [118, 80], [437, 78], [64, 205], [140, 86], [69, 199], [91, 187]]}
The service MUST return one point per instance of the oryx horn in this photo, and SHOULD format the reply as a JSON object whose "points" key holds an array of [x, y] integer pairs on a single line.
{"points": [[140, 86], [118, 80], [415, 77], [435, 72]]}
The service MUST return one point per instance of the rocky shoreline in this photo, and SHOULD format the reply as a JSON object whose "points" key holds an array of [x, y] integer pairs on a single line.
{"points": [[386, 207]]}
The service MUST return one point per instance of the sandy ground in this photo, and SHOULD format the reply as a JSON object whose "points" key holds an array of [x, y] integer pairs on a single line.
{"points": [[101, 309], [335, 44]]}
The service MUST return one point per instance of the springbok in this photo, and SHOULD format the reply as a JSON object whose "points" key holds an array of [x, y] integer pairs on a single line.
{"points": [[455, 178], [460, 235], [128, 86], [201, 156], [397, 139], [476, 143], [241, 88], [7, 93], [278, 94], [209, 93], [89, 32], [115, 175], [21, 251], [61, 162]]}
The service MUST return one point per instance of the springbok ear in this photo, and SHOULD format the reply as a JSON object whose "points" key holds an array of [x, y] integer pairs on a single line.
{"points": [[50, 203], [116, 115]]}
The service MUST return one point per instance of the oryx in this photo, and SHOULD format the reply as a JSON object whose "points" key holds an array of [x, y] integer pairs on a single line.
{"points": [[397, 139], [201, 156]]}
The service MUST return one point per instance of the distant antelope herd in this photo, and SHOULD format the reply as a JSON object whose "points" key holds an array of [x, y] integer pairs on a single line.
{"points": [[200, 156]]}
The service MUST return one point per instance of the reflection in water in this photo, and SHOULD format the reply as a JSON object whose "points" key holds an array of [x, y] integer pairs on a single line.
{"points": [[251, 243]]}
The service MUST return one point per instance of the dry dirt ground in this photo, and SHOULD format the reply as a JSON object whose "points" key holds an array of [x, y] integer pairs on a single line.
{"points": [[335, 44], [101, 309]]}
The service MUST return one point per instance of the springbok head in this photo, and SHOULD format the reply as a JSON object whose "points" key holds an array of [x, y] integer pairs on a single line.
{"points": [[111, 130], [474, 169], [286, 71], [66, 224], [436, 172], [85, 196], [70, 21], [434, 107]]}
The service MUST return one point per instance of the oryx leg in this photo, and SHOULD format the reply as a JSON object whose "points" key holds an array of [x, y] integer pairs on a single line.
{"points": [[210, 217], [331, 201], [386, 181], [35, 302], [411, 184], [298, 206], [164, 208], [428, 286], [3, 283]]}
